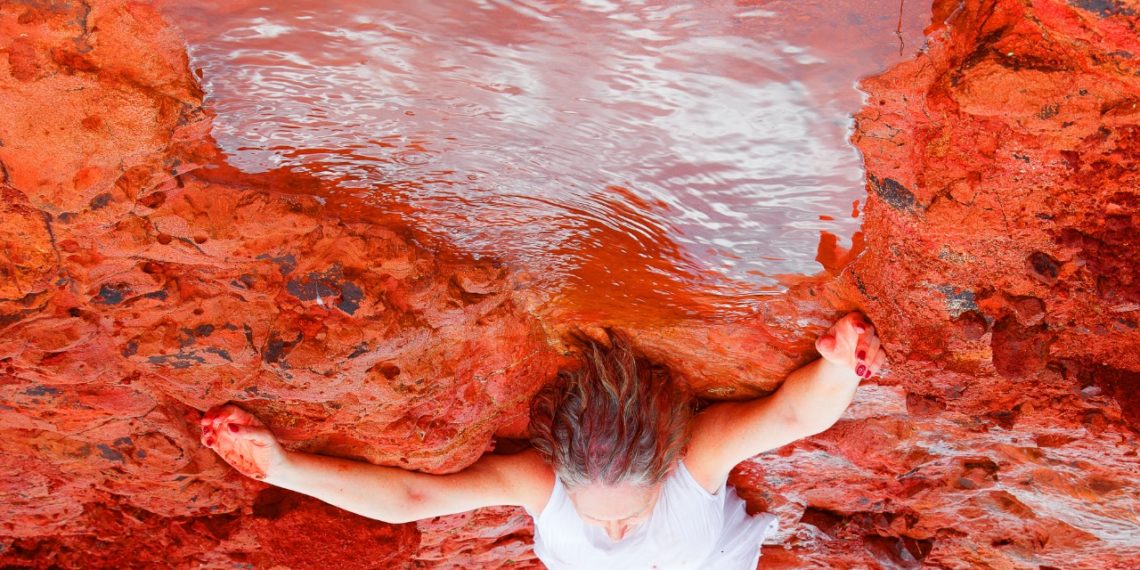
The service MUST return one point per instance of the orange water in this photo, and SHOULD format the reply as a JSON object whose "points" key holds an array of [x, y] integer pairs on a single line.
{"points": [[654, 156]]}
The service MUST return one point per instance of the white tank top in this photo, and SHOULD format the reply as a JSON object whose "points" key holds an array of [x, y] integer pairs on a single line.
{"points": [[689, 528]]}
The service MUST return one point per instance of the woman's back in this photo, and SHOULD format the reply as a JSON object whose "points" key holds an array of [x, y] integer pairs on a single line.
{"points": [[689, 528]]}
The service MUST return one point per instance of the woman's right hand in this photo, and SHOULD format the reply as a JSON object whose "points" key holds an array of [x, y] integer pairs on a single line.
{"points": [[242, 440], [852, 343]]}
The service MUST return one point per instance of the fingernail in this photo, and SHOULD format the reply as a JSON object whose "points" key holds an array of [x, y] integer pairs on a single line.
{"points": [[862, 355], [860, 328], [869, 373], [861, 370], [233, 428], [209, 441]]}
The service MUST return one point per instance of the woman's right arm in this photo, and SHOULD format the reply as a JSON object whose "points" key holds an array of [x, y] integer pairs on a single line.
{"points": [[395, 495], [389, 494]]}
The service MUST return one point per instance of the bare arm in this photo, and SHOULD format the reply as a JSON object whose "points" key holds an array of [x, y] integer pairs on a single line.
{"points": [[809, 401], [389, 494], [396, 495]]}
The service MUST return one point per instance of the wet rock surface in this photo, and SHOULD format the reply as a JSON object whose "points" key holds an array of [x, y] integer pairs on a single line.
{"points": [[142, 281]]}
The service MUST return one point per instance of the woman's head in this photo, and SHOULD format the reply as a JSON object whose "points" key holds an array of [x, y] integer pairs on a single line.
{"points": [[619, 421]]}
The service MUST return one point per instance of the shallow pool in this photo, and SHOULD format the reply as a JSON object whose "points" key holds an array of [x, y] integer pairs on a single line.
{"points": [[664, 155]]}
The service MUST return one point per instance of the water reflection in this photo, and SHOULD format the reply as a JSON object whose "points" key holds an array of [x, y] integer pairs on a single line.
{"points": [[626, 153]]}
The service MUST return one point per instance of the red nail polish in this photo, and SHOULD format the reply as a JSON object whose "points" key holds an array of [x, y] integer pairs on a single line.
{"points": [[860, 370], [862, 355], [233, 428], [209, 441]]}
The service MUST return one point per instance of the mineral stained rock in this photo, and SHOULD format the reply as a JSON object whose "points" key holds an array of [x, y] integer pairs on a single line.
{"points": [[142, 281]]}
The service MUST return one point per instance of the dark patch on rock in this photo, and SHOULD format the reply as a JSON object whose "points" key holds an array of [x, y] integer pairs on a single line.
{"points": [[109, 453], [222, 353], [314, 286], [285, 263], [359, 350], [325, 287], [276, 347], [112, 294], [1103, 8], [41, 391], [958, 301], [180, 361], [894, 193], [131, 349], [161, 295], [350, 297], [1044, 268], [101, 201]]}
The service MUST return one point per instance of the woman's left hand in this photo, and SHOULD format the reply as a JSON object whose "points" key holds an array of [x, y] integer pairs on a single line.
{"points": [[853, 343]]}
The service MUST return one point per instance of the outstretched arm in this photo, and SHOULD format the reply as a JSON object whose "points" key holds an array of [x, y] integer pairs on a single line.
{"points": [[389, 494], [810, 400]]}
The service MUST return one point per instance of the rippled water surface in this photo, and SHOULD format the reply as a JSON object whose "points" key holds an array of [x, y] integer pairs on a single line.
{"points": [[622, 153]]}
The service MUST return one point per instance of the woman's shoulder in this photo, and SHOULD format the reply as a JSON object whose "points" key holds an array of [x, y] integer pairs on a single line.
{"points": [[532, 477]]}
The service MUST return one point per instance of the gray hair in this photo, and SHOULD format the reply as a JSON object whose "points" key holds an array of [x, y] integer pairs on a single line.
{"points": [[619, 419]]}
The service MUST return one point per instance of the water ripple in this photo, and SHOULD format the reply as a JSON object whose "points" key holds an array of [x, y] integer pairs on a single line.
{"points": [[632, 151]]}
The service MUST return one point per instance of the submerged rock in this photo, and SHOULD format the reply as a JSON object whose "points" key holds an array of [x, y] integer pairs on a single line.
{"points": [[144, 281]]}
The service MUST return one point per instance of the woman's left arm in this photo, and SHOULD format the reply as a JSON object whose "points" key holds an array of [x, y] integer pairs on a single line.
{"points": [[809, 401]]}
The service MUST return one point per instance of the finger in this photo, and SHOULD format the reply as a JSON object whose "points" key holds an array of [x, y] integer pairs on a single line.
{"points": [[860, 326], [228, 413], [872, 347], [879, 362], [825, 344], [210, 413], [862, 355], [214, 413], [254, 434], [858, 321], [237, 415]]}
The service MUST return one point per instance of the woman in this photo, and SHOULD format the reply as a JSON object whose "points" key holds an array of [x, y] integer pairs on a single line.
{"points": [[621, 474]]}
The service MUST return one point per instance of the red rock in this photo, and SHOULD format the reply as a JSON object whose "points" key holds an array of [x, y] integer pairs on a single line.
{"points": [[144, 281]]}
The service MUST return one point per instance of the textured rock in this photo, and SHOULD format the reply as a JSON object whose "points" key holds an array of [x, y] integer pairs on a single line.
{"points": [[144, 281]]}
